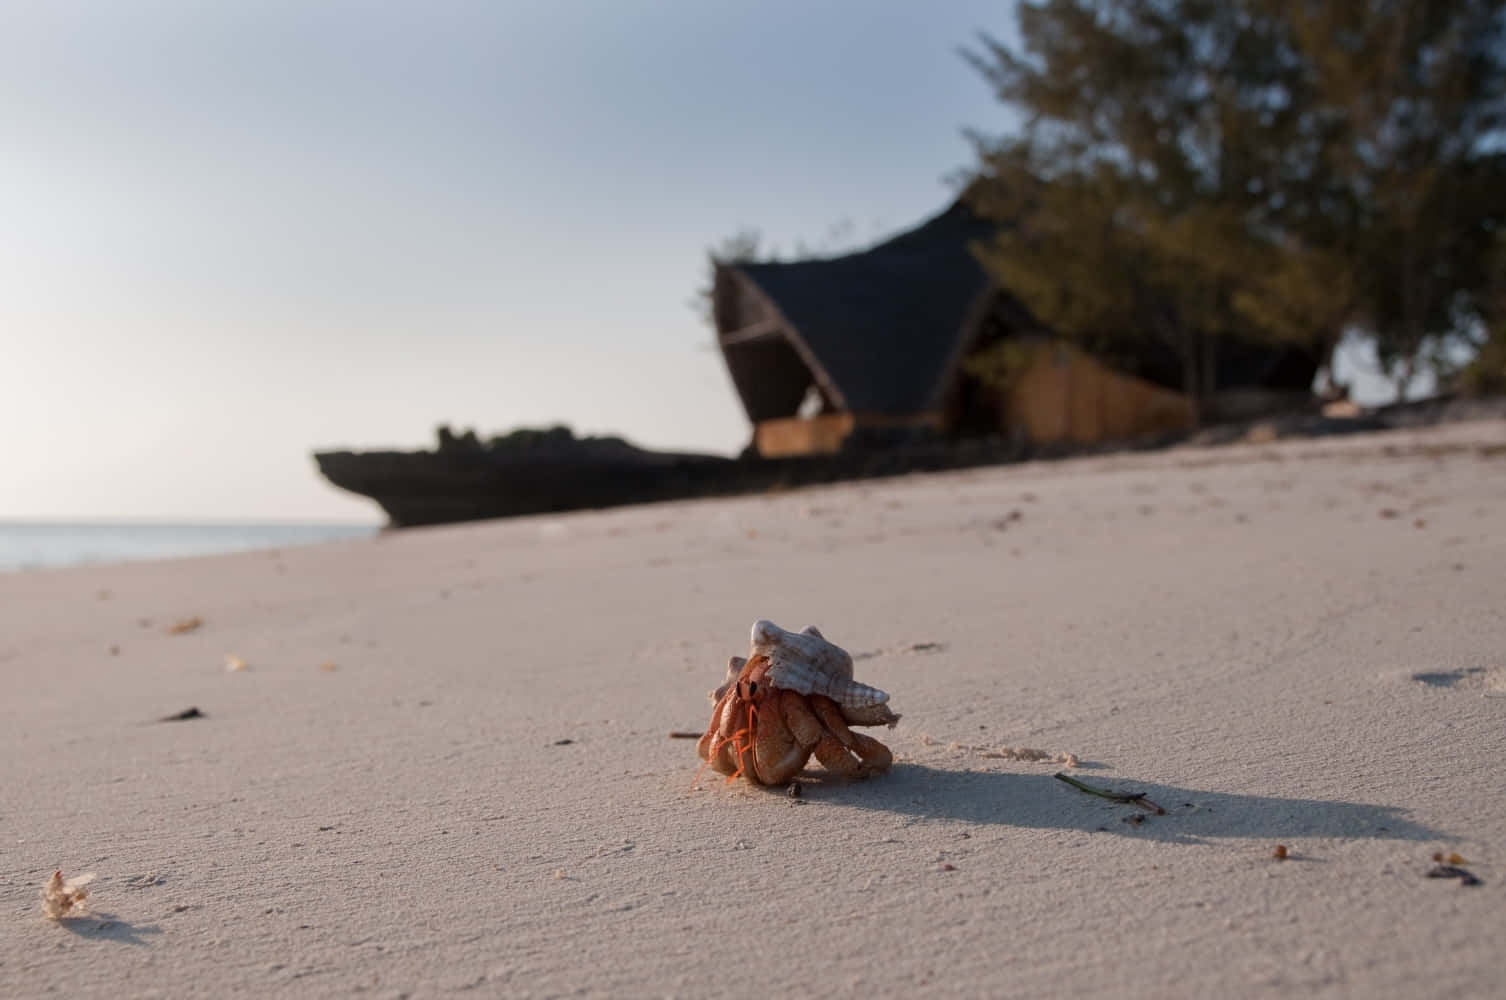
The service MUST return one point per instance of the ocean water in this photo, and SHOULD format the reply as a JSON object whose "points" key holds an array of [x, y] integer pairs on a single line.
{"points": [[26, 545]]}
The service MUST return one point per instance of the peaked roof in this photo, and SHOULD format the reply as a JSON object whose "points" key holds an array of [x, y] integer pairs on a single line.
{"points": [[879, 331], [883, 331]]}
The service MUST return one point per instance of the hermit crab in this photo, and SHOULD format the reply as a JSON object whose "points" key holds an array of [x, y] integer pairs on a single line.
{"points": [[794, 696]]}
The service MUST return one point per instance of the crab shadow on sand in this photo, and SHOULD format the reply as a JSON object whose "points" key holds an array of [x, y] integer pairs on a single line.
{"points": [[1193, 815], [108, 927]]}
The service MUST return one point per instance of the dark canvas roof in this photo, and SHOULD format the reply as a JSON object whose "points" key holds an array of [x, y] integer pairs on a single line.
{"points": [[883, 331], [879, 330]]}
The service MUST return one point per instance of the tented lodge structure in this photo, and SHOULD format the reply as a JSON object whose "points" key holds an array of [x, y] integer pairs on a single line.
{"points": [[868, 349]]}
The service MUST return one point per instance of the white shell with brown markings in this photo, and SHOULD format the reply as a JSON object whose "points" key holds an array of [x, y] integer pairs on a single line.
{"points": [[808, 663]]}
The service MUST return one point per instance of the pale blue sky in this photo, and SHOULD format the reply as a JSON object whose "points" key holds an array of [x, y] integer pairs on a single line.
{"points": [[235, 232]]}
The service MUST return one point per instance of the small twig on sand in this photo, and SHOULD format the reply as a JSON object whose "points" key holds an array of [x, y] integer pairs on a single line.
{"points": [[680, 734], [1453, 871], [1132, 798]]}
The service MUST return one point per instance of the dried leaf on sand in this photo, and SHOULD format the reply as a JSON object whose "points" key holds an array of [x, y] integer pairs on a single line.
{"points": [[184, 626]]}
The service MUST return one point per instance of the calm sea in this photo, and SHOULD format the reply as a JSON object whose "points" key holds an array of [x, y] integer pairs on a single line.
{"points": [[41, 544]]}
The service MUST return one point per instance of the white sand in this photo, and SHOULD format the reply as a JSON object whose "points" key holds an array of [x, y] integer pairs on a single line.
{"points": [[1238, 632]]}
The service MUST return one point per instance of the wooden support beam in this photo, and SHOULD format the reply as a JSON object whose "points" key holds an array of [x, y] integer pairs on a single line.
{"points": [[761, 330]]}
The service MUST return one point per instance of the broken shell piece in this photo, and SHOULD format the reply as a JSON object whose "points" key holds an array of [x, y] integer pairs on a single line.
{"points": [[806, 662], [63, 898]]}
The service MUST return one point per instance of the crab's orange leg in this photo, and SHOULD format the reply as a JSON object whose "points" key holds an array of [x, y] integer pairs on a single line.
{"points": [[743, 743], [740, 741], [716, 745]]}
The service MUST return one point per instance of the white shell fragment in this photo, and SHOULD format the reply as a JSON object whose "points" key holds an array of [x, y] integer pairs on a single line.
{"points": [[806, 662], [63, 898]]}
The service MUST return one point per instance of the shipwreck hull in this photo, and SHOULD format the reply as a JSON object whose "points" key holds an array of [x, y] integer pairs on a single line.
{"points": [[439, 487], [418, 488], [448, 485]]}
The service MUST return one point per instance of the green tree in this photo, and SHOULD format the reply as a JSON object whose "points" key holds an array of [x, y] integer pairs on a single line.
{"points": [[1130, 199], [1486, 370], [1413, 101], [1278, 170]]}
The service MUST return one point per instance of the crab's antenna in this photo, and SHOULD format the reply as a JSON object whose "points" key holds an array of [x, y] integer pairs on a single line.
{"points": [[696, 781]]}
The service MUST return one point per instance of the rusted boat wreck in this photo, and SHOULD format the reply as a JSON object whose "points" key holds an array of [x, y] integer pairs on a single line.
{"points": [[529, 472], [467, 483], [848, 366]]}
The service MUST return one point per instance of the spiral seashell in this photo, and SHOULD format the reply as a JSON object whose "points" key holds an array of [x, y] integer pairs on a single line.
{"points": [[806, 662]]}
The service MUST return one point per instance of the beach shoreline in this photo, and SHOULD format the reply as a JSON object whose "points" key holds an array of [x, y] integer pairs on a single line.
{"points": [[437, 760], [31, 544]]}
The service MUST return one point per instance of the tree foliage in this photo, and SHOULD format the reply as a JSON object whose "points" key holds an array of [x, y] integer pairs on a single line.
{"points": [[1196, 171], [1486, 370], [742, 247]]}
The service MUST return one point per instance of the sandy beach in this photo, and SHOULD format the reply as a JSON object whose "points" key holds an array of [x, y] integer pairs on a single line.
{"points": [[442, 762]]}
